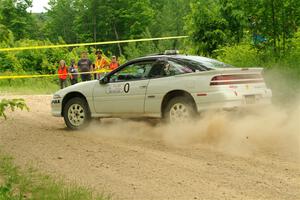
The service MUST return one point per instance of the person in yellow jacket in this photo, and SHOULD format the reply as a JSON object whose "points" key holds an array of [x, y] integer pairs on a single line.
{"points": [[101, 63]]}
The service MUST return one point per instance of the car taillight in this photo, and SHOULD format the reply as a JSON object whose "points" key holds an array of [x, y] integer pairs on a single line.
{"points": [[236, 79]]}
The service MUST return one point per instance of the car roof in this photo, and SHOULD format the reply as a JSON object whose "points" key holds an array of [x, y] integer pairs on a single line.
{"points": [[176, 56], [204, 60]]}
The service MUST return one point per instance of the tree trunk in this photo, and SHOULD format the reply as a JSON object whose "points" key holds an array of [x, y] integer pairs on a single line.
{"points": [[274, 28], [95, 28], [65, 32], [117, 37], [283, 29], [178, 31]]}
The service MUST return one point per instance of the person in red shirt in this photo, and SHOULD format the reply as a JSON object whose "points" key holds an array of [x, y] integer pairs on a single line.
{"points": [[62, 74], [114, 63]]}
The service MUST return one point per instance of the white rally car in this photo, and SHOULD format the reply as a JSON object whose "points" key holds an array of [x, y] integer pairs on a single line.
{"points": [[173, 87]]}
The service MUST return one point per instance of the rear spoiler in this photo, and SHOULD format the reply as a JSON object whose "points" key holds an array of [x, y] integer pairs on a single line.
{"points": [[226, 71], [257, 70]]}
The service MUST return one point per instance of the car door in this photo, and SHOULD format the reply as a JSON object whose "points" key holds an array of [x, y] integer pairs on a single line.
{"points": [[162, 80], [125, 91]]}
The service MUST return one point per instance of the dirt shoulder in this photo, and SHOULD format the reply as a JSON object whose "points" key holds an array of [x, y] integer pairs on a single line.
{"points": [[134, 160]]}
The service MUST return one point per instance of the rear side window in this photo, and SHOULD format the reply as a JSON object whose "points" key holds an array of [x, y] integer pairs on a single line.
{"points": [[176, 68], [168, 68], [215, 64], [193, 65], [204, 63]]}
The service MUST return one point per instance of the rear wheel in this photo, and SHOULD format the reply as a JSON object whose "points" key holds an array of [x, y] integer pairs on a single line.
{"points": [[179, 110], [76, 113]]}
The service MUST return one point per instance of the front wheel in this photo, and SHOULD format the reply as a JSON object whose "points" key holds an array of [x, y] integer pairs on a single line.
{"points": [[76, 113], [179, 110]]}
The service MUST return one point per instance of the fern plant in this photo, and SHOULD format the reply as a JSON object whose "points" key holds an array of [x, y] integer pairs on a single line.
{"points": [[13, 104]]}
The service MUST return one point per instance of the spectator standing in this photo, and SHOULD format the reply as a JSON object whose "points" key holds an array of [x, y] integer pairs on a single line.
{"points": [[101, 62], [73, 70], [85, 66], [62, 74], [114, 63]]}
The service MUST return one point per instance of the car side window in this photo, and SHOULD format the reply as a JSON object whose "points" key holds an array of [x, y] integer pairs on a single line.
{"points": [[157, 69], [168, 68], [133, 72], [175, 68]]}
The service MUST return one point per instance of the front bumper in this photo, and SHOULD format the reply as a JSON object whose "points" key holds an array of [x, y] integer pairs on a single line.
{"points": [[56, 107]]}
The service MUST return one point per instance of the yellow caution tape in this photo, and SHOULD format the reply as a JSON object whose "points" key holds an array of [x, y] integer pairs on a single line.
{"points": [[27, 76], [77, 45], [52, 75], [90, 44]]}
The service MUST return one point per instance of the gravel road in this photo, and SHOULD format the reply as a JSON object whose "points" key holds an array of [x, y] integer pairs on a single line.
{"points": [[219, 157]]}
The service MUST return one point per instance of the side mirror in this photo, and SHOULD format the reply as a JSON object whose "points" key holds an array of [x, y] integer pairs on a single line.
{"points": [[104, 80]]}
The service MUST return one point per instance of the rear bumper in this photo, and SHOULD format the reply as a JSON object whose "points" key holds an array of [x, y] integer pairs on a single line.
{"points": [[229, 100], [230, 105]]}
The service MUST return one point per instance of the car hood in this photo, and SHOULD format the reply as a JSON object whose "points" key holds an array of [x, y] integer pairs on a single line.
{"points": [[84, 88]]}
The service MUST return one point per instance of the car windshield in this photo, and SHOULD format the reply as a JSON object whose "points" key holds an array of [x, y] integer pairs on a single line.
{"points": [[202, 63]]}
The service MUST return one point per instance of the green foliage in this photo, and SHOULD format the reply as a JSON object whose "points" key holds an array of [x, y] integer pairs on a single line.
{"points": [[6, 36], [240, 32], [84, 20], [46, 85], [275, 20], [31, 184], [38, 61], [12, 104], [207, 27], [134, 50], [15, 17], [292, 56], [75, 21], [214, 24], [87, 21], [61, 21], [242, 55], [246, 55], [9, 62], [42, 60]]}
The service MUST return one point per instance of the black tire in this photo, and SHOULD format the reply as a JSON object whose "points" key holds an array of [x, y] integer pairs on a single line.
{"points": [[76, 113], [184, 103]]}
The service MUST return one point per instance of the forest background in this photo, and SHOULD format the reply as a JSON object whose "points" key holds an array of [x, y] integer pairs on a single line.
{"points": [[256, 33]]}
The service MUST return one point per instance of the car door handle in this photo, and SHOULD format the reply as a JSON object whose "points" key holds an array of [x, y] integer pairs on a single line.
{"points": [[143, 86]]}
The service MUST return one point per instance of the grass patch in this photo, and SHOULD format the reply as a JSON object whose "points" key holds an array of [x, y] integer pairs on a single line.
{"points": [[29, 86], [16, 184]]}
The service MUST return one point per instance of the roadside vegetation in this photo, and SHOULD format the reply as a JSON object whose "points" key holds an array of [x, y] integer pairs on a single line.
{"points": [[12, 104], [28, 183], [243, 33], [29, 86], [20, 184]]}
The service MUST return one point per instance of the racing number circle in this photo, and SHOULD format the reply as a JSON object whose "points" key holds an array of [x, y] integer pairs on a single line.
{"points": [[126, 87]]}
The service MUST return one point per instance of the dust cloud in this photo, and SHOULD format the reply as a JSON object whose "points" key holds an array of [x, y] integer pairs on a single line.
{"points": [[267, 129], [272, 129]]}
